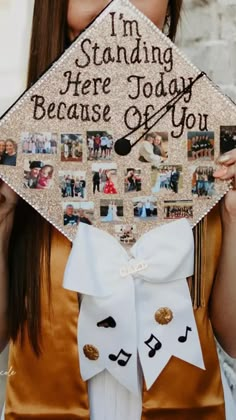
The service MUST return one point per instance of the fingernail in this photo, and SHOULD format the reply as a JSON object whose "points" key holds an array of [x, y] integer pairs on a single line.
{"points": [[220, 172], [224, 158]]}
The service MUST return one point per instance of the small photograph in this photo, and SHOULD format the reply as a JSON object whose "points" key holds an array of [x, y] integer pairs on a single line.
{"points": [[73, 184], [154, 148], [71, 148], [100, 145], [177, 209], [38, 174], [133, 180], [73, 213], [126, 234], [33, 143], [227, 138], [201, 145], [111, 210], [8, 152], [167, 178], [104, 177], [203, 182], [145, 208]]}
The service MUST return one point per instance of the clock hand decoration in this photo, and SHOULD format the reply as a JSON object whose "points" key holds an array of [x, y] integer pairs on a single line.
{"points": [[146, 296], [123, 146]]}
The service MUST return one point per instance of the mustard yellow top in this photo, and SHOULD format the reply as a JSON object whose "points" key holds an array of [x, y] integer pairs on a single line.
{"points": [[51, 388]]}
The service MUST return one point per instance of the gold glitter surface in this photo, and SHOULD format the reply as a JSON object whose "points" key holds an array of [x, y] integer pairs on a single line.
{"points": [[124, 214]]}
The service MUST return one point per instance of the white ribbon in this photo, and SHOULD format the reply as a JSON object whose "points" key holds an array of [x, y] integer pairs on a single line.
{"points": [[130, 288]]}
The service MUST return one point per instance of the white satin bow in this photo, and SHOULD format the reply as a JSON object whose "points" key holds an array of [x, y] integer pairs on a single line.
{"points": [[121, 295]]}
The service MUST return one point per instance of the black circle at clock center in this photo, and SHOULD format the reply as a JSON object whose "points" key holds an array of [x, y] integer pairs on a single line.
{"points": [[122, 147]]}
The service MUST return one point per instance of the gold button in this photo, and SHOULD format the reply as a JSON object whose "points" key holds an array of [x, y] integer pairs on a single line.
{"points": [[91, 352], [163, 316]]}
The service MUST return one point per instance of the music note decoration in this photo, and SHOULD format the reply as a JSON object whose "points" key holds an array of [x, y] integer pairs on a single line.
{"points": [[121, 362], [108, 322], [183, 338], [154, 347]]}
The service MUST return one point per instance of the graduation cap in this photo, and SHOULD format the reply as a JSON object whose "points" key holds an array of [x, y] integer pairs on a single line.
{"points": [[122, 132]]}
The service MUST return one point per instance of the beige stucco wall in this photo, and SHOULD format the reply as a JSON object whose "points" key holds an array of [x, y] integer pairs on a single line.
{"points": [[208, 36], [15, 19]]}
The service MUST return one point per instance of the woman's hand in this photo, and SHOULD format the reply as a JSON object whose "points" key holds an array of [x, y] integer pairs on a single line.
{"points": [[226, 172]]}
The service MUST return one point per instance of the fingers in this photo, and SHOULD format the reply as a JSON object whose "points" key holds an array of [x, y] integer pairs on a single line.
{"points": [[227, 170], [228, 158]]}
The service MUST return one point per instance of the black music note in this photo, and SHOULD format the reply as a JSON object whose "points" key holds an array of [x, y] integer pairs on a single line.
{"points": [[106, 323], [183, 338], [120, 362], [156, 347]]}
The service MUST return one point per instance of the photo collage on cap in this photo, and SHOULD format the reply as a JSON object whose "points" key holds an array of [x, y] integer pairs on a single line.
{"points": [[95, 186], [121, 132]]}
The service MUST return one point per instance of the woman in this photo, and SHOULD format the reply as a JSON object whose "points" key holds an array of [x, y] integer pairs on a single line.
{"points": [[109, 187], [158, 148], [45, 177], [78, 189], [209, 147], [83, 217], [90, 142], [193, 148], [110, 213], [68, 186], [130, 181], [157, 186], [31, 176], [109, 146], [144, 211], [10, 153], [66, 150], [59, 392], [103, 179], [114, 213], [146, 150]]}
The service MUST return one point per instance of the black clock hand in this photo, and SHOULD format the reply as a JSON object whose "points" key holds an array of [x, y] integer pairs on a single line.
{"points": [[123, 146]]}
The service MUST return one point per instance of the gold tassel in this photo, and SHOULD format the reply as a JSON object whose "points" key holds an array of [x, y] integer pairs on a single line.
{"points": [[197, 289]]}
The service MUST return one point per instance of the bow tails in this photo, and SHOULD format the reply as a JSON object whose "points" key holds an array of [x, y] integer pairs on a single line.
{"points": [[135, 307]]}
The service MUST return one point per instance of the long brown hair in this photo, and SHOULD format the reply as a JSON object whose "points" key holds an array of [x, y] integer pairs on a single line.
{"points": [[29, 251], [172, 20]]}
